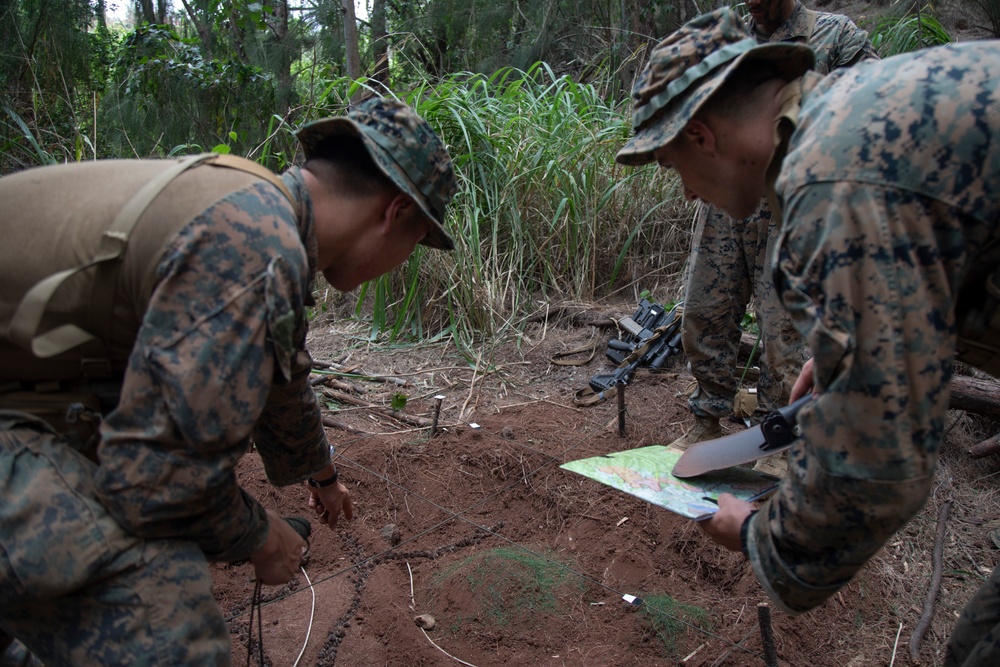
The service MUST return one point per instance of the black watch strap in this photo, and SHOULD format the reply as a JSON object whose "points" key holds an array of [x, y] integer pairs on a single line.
{"points": [[326, 482]]}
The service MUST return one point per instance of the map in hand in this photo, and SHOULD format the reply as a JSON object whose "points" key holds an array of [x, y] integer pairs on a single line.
{"points": [[645, 473]]}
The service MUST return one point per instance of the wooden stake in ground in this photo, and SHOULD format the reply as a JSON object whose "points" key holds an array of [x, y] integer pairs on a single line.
{"points": [[621, 409], [925, 618], [767, 634], [437, 414]]}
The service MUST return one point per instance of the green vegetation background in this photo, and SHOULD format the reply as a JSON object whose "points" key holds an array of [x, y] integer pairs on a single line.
{"points": [[532, 99]]}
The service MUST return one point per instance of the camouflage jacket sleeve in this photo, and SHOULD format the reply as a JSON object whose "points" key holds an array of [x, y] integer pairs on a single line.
{"points": [[838, 42], [865, 461], [219, 347], [888, 198], [835, 39]]}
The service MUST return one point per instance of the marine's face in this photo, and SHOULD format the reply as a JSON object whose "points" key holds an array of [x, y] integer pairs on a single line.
{"points": [[388, 238], [719, 181], [769, 14]]}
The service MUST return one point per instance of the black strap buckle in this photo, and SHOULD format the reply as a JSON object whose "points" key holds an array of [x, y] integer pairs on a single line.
{"points": [[777, 431]]}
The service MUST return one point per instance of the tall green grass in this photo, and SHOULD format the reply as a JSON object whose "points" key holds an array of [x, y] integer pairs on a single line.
{"points": [[543, 214], [895, 34]]}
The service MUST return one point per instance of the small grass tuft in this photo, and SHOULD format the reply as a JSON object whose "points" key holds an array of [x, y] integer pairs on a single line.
{"points": [[669, 619], [511, 584]]}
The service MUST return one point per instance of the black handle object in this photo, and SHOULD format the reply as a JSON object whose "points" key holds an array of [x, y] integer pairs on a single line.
{"points": [[778, 427]]}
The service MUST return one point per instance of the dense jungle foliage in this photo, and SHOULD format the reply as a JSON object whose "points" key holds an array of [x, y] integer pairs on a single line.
{"points": [[531, 97]]}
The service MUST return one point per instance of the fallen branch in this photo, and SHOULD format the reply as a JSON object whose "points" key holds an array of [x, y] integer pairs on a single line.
{"points": [[388, 412], [355, 374], [925, 618], [986, 447], [979, 396], [334, 423]]}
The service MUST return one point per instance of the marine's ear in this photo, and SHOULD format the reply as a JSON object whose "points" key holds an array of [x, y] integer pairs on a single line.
{"points": [[697, 133], [400, 210]]}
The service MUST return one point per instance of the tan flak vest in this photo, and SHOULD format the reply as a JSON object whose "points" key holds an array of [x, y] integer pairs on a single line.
{"points": [[74, 290]]}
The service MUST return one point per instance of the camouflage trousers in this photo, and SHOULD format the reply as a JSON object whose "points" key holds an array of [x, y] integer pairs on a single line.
{"points": [[975, 641], [729, 265], [75, 588]]}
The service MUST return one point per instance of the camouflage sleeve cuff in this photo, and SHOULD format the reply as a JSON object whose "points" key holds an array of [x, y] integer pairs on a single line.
{"points": [[743, 533], [252, 537], [788, 592]]}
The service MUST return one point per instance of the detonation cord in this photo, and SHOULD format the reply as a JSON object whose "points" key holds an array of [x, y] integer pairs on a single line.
{"points": [[255, 605]]}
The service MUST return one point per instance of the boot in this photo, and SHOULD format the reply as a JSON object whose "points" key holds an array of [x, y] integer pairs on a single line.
{"points": [[776, 464], [705, 428]]}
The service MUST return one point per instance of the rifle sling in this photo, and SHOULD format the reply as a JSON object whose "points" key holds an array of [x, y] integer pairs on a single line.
{"points": [[559, 357]]}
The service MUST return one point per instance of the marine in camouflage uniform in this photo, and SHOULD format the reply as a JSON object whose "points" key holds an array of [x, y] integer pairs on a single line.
{"points": [[730, 259], [887, 176], [105, 535]]}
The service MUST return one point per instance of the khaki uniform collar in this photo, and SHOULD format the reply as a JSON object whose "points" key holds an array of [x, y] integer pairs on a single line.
{"points": [[785, 123]]}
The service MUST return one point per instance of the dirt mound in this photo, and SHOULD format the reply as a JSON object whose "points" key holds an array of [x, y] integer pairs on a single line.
{"points": [[520, 562]]}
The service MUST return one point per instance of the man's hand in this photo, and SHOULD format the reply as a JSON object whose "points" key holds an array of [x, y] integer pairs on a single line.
{"points": [[278, 560], [329, 501], [804, 383], [724, 526]]}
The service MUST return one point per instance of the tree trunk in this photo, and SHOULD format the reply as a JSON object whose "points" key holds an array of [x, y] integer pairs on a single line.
{"points": [[380, 44], [353, 55], [283, 67], [146, 11], [101, 14], [204, 30]]}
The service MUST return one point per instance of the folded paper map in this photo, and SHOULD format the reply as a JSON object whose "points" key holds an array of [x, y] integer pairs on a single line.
{"points": [[645, 473]]}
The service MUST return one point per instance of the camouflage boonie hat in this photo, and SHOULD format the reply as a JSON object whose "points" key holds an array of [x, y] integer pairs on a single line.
{"points": [[687, 67], [405, 147]]}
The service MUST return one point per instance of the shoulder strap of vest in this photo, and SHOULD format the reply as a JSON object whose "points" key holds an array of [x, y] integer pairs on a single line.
{"points": [[251, 167], [31, 309]]}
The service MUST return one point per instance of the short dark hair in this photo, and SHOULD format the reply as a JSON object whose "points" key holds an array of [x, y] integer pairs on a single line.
{"points": [[742, 88], [344, 163]]}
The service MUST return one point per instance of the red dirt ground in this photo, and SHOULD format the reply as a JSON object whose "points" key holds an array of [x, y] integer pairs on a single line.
{"points": [[520, 562]]}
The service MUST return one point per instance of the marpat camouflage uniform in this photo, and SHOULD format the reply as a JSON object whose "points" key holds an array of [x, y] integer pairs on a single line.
{"points": [[218, 356], [890, 194], [103, 554], [730, 259]]}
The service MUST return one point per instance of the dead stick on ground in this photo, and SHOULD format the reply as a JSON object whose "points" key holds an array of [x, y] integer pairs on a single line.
{"points": [[333, 423], [925, 618], [722, 658], [767, 634], [986, 447], [472, 386], [388, 412]]}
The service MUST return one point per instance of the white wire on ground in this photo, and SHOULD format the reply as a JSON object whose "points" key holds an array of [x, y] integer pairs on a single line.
{"points": [[469, 664], [311, 613]]}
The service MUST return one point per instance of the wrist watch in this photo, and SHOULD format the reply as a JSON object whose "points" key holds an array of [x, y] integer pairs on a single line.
{"points": [[315, 483], [326, 482]]}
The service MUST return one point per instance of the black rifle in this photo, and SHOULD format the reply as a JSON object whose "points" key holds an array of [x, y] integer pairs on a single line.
{"points": [[651, 335]]}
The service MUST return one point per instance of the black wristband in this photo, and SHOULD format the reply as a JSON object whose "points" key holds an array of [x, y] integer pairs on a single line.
{"points": [[326, 482], [743, 534]]}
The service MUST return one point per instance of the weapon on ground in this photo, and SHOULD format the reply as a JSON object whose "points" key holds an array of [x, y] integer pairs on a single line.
{"points": [[650, 336]]}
